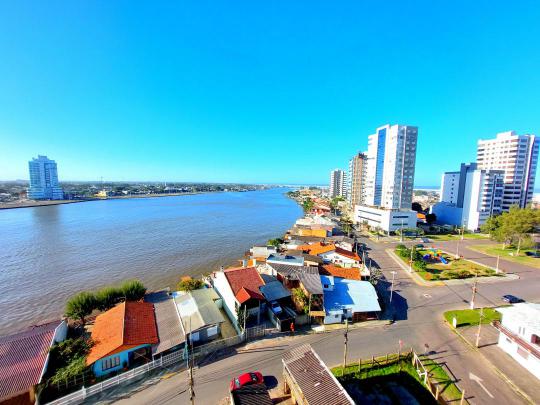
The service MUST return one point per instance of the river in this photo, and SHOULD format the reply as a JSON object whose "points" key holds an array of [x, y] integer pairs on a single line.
{"points": [[49, 253]]}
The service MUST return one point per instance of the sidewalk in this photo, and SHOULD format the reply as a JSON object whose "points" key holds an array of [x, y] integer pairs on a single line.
{"points": [[521, 380]]}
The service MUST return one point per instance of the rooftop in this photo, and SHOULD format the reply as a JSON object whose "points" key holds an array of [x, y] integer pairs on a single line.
{"points": [[359, 296], [307, 275], [245, 283], [347, 253], [298, 260], [127, 325], [197, 309], [274, 290], [167, 320], [352, 273], [313, 379], [22, 358], [317, 248], [525, 313]]}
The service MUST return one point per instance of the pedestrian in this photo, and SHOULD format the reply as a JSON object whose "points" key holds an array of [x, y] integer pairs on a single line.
{"points": [[292, 328]]}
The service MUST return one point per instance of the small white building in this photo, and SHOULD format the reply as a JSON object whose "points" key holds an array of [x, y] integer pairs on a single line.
{"points": [[341, 257], [389, 220], [520, 334], [262, 251]]}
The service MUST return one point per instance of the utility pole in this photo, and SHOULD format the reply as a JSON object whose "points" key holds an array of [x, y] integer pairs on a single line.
{"points": [[497, 267], [479, 326], [474, 288], [401, 233], [346, 341], [392, 286]]}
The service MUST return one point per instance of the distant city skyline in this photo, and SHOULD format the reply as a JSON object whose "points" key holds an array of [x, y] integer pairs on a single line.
{"points": [[243, 93]]}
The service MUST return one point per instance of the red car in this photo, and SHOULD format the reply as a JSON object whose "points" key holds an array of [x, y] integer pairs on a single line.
{"points": [[246, 379]]}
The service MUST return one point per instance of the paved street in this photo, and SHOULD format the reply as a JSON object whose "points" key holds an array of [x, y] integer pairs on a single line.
{"points": [[419, 321]]}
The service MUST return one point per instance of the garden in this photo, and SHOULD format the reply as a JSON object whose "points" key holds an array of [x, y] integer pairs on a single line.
{"points": [[433, 264], [471, 317]]}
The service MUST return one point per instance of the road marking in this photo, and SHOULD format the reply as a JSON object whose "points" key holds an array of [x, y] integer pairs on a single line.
{"points": [[479, 381], [427, 296]]}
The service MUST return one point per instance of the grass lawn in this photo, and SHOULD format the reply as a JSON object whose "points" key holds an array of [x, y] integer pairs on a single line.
{"points": [[394, 384], [456, 237], [456, 268], [509, 254], [472, 316]]}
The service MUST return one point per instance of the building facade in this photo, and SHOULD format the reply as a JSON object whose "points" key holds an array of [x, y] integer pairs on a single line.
{"points": [[355, 179], [470, 196], [391, 160], [337, 183], [517, 156], [388, 220], [44, 180]]}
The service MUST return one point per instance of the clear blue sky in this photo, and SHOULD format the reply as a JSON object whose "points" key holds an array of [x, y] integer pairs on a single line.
{"points": [[253, 91]]}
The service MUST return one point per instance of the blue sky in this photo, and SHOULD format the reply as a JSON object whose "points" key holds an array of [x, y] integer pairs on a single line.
{"points": [[258, 91]]}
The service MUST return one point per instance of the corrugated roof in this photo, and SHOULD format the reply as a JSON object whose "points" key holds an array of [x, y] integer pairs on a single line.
{"points": [[311, 376], [359, 296], [128, 324], [198, 309], [256, 394], [274, 290], [307, 275], [22, 358], [167, 320]]}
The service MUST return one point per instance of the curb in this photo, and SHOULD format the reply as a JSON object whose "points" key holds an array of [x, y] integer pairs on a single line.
{"points": [[512, 385]]}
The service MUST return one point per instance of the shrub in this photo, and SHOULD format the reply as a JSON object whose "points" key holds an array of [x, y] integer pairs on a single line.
{"points": [[463, 274], [419, 265], [401, 247], [68, 358], [190, 284], [108, 297], [450, 275], [80, 306], [133, 290]]}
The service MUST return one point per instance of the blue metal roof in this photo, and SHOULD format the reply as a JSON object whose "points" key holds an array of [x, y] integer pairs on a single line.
{"points": [[359, 296]]}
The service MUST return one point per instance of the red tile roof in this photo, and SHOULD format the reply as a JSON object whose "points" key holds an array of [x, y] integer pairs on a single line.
{"points": [[22, 358], [247, 279], [317, 248], [352, 273], [346, 253], [127, 325]]}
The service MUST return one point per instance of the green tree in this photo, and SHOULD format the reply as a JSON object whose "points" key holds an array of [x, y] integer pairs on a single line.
{"points": [[301, 299], [308, 204], [241, 317], [133, 290], [431, 218], [190, 284], [80, 306], [346, 225], [416, 206], [108, 297], [276, 242]]}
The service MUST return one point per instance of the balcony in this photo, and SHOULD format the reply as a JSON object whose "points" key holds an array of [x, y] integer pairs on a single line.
{"points": [[529, 347]]}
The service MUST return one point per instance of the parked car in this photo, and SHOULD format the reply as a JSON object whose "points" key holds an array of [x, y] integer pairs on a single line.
{"points": [[425, 240], [419, 246], [511, 299], [275, 307], [246, 379]]}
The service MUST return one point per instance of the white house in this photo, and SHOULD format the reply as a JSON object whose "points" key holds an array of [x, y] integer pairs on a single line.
{"points": [[520, 334], [341, 257], [262, 251], [389, 220]]}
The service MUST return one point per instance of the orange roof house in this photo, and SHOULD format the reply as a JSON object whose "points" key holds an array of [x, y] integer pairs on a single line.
{"points": [[351, 273], [346, 253], [245, 283], [317, 248], [127, 326]]}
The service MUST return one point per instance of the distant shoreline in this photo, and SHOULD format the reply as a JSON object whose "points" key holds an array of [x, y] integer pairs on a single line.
{"points": [[31, 204]]}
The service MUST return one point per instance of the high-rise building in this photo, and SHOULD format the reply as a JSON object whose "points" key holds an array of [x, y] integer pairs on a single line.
{"points": [[469, 196], [355, 179], [390, 167], [44, 180], [517, 156], [337, 183]]}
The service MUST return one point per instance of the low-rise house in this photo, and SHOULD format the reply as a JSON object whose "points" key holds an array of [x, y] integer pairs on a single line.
{"points": [[293, 244], [170, 332], [239, 288], [262, 251], [123, 336], [200, 315], [343, 242], [351, 273], [24, 357], [317, 248], [341, 257], [520, 334], [309, 381], [318, 231], [285, 259], [348, 299]]}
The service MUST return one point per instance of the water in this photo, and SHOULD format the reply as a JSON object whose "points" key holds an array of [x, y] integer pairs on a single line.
{"points": [[49, 253]]}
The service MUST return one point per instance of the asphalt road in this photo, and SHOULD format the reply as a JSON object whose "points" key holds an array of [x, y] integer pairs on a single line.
{"points": [[419, 321]]}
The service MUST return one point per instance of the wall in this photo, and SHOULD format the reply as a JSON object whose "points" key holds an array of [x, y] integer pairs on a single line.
{"points": [[222, 287], [124, 357]]}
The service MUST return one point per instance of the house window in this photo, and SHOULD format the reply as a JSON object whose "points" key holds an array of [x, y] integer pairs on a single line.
{"points": [[110, 362], [326, 286], [523, 353], [535, 339]]}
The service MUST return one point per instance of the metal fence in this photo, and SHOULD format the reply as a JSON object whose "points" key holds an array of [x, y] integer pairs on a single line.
{"points": [[174, 358]]}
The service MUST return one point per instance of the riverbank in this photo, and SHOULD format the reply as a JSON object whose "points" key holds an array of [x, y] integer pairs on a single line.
{"points": [[31, 204]]}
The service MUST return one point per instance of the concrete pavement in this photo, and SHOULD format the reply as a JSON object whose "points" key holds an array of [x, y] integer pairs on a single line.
{"points": [[418, 312]]}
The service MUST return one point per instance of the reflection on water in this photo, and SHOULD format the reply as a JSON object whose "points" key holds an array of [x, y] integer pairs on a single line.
{"points": [[48, 253]]}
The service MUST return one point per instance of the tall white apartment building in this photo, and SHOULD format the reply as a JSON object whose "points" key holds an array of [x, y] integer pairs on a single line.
{"points": [[517, 156], [337, 183], [469, 196], [356, 178], [390, 167], [44, 180]]}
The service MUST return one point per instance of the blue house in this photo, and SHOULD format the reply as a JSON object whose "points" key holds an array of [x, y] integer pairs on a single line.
{"points": [[123, 337]]}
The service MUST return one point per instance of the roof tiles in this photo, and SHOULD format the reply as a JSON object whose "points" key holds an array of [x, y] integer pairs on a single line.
{"points": [[246, 278]]}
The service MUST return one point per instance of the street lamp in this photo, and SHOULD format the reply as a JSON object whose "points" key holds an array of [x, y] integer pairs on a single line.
{"points": [[392, 286]]}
